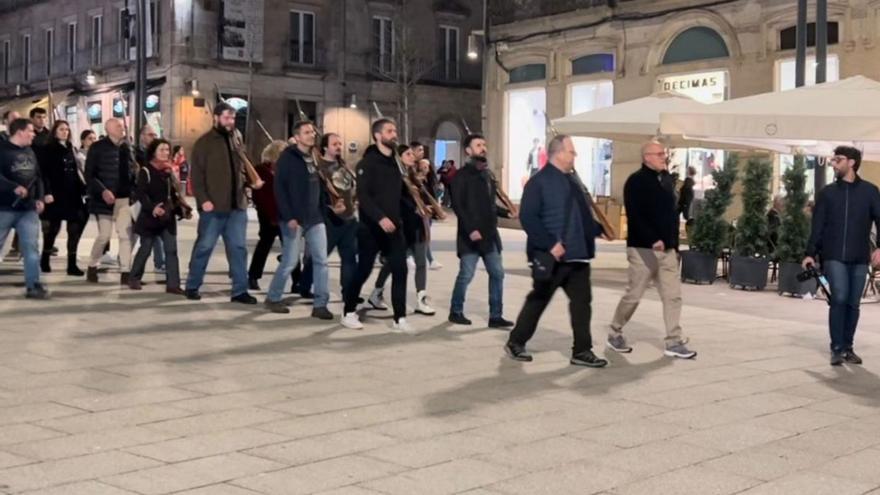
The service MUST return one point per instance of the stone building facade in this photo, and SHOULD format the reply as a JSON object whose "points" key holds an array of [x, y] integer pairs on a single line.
{"points": [[336, 57], [564, 56]]}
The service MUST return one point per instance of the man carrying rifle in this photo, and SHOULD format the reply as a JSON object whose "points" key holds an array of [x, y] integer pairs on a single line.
{"points": [[21, 200]]}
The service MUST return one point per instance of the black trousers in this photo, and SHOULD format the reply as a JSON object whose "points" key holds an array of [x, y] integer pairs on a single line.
{"points": [[268, 233], [51, 229], [172, 265], [372, 241], [574, 279]]}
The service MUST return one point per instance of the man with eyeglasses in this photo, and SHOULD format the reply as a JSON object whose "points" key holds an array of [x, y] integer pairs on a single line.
{"points": [[841, 238], [651, 250]]}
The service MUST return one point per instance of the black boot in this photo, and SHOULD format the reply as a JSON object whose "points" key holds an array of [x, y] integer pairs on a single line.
{"points": [[72, 269], [92, 275], [45, 267]]}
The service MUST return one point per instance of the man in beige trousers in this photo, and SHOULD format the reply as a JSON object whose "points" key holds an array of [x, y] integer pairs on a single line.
{"points": [[651, 250]]}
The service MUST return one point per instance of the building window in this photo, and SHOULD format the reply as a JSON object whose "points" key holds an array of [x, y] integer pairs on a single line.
{"points": [[71, 47], [383, 43], [592, 64], [526, 134], [447, 57], [97, 41], [71, 115], [154, 28], [697, 43], [593, 163], [302, 37], [26, 57], [95, 115], [310, 108], [528, 73], [788, 36], [122, 34], [7, 60], [239, 103], [50, 50]]}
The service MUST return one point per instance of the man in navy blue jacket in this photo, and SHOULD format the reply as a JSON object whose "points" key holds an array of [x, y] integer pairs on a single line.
{"points": [[298, 195], [557, 219], [841, 234]]}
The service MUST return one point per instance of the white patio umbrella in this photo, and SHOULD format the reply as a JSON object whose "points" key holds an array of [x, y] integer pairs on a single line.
{"points": [[810, 119]]}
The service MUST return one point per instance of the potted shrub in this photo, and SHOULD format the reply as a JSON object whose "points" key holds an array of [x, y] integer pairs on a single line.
{"points": [[699, 263], [794, 231], [750, 261]]}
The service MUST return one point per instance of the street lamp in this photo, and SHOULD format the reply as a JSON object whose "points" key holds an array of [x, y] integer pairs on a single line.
{"points": [[353, 103], [473, 52], [194, 88], [91, 79]]}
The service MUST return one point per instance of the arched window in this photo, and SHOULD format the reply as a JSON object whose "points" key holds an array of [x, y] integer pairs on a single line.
{"points": [[592, 64], [528, 72], [696, 43]]}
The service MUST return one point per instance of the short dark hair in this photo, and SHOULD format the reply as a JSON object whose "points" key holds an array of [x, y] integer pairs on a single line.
{"points": [[556, 144], [223, 107], [415, 144], [84, 134], [6, 114], [154, 146], [18, 125], [851, 153], [299, 124], [379, 125], [325, 141], [470, 138], [175, 149], [691, 171], [37, 111]]}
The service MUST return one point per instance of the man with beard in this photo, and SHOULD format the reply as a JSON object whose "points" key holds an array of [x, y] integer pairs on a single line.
{"points": [[380, 196], [474, 202], [841, 238], [219, 186]]}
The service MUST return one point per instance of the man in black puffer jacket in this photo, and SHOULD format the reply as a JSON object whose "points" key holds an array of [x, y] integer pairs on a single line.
{"points": [[651, 250], [110, 181], [841, 237]]}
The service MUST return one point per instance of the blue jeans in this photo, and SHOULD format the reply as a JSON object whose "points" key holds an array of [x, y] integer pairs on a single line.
{"points": [[344, 238], [466, 269], [158, 252], [212, 225], [316, 244], [27, 225], [847, 282]]}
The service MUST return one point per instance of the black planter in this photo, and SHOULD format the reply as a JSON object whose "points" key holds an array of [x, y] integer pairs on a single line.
{"points": [[698, 268], [748, 273], [788, 282]]}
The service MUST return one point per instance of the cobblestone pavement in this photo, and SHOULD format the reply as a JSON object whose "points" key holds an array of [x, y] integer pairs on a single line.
{"points": [[108, 392]]}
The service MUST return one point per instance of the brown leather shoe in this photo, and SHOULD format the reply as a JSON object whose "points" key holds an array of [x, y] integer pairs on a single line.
{"points": [[134, 284], [177, 291], [124, 278]]}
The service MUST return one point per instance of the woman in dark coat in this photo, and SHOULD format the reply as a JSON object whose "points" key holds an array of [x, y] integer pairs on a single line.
{"points": [[161, 202], [65, 189]]}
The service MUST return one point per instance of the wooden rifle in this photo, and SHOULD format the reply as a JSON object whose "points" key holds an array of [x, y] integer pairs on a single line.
{"points": [[499, 192], [335, 197], [253, 178], [598, 214]]}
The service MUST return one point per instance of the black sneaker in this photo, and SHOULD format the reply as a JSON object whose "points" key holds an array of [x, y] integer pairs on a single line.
{"points": [[277, 307], [244, 298], [517, 352], [253, 284], [322, 314], [588, 359], [836, 358], [92, 274], [851, 357], [499, 323], [193, 295], [306, 295], [38, 291], [458, 319]]}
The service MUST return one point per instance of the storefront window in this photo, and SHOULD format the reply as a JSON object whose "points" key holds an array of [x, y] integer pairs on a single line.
{"points": [[785, 80], [71, 115], [593, 162], [705, 87], [526, 136], [95, 113], [153, 113]]}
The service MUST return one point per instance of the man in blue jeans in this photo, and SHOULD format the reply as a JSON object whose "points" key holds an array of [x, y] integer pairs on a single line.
{"points": [[21, 200], [219, 187], [298, 194], [473, 199], [841, 238]]}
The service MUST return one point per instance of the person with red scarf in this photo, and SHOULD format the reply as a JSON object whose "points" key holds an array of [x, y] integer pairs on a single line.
{"points": [[161, 202]]}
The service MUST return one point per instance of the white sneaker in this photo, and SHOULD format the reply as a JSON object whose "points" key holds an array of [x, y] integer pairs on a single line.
{"points": [[377, 301], [410, 262], [435, 265], [109, 260], [422, 304], [352, 321], [401, 326]]}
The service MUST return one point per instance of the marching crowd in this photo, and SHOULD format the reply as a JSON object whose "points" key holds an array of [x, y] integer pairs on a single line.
{"points": [[313, 202]]}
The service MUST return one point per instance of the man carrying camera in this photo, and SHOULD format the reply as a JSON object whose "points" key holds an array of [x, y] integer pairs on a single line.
{"points": [[840, 237]]}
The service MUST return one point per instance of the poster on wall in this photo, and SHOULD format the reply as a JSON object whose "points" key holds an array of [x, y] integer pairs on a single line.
{"points": [[526, 137], [241, 37]]}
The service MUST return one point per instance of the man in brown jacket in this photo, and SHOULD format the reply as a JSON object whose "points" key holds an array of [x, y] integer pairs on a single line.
{"points": [[218, 183]]}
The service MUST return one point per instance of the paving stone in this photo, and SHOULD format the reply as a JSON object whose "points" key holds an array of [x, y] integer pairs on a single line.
{"points": [[49, 473], [569, 478], [767, 462], [322, 447], [451, 477], [319, 476], [694, 480], [808, 483], [206, 445]]}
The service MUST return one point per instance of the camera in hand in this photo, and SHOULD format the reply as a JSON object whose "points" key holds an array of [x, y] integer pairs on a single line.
{"points": [[812, 273]]}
